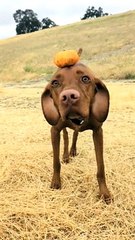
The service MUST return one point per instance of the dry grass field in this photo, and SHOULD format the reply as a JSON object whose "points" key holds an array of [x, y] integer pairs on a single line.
{"points": [[29, 209]]}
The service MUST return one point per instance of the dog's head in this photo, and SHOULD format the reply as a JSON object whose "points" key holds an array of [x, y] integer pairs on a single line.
{"points": [[75, 94]]}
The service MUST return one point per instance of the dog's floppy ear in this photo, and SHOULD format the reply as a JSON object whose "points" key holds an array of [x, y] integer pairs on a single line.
{"points": [[49, 110], [100, 106]]}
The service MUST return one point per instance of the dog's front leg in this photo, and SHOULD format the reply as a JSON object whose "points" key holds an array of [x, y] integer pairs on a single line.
{"points": [[73, 151], [55, 137], [98, 142], [66, 143]]}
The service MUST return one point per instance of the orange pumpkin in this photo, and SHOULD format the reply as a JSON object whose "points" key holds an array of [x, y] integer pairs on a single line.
{"points": [[66, 58]]}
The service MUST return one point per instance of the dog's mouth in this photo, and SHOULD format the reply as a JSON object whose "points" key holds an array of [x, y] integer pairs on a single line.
{"points": [[76, 119]]}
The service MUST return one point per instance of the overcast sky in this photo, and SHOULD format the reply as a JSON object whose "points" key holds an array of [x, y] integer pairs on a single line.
{"points": [[60, 11]]}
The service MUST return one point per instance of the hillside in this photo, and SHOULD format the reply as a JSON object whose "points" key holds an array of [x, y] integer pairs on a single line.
{"points": [[108, 44]]}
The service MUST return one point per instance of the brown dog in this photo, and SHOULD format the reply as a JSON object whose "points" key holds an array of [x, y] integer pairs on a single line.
{"points": [[74, 98]]}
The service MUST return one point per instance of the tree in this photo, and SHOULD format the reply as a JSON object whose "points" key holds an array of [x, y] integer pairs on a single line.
{"points": [[27, 21], [47, 23], [91, 12], [99, 12]]}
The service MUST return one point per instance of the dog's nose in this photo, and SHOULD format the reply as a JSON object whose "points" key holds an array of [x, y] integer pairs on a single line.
{"points": [[69, 96]]}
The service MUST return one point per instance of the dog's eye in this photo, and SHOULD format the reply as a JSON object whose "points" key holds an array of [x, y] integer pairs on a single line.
{"points": [[55, 83], [85, 79]]}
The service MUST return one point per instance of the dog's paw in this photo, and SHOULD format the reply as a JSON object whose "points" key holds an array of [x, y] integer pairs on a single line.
{"points": [[56, 182], [106, 196], [65, 158], [73, 152]]}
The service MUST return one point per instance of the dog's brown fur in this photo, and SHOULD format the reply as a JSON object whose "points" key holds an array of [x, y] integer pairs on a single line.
{"points": [[74, 98]]}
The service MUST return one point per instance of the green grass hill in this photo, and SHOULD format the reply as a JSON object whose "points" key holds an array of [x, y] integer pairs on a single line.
{"points": [[108, 49]]}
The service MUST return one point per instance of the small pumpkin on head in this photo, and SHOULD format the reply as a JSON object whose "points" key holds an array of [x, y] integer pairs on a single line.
{"points": [[67, 58]]}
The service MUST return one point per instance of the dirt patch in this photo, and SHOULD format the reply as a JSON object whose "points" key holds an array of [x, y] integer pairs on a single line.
{"points": [[29, 208]]}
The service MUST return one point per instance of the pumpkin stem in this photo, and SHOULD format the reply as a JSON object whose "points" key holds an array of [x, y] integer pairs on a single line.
{"points": [[80, 51]]}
